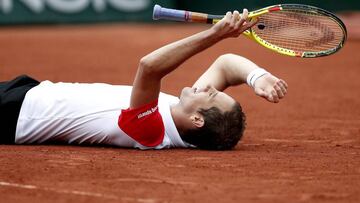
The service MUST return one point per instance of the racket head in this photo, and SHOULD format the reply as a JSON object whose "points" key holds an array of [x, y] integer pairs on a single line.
{"points": [[298, 30]]}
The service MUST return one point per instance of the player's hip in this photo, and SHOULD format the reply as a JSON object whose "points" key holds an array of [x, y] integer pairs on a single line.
{"points": [[12, 94]]}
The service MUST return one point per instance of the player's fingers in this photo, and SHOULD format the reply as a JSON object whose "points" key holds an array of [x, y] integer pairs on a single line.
{"points": [[270, 98], [279, 91], [227, 17], [234, 18], [282, 87], [244, 14], [239, 22], [284, 83], [248, 24], [252, 22], [274, 95]]}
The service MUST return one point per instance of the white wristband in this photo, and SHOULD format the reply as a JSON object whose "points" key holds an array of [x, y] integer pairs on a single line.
{"points": [[254, 75]]}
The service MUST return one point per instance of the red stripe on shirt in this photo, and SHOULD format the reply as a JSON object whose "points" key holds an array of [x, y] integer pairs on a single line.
{"points": [[143, 124]]}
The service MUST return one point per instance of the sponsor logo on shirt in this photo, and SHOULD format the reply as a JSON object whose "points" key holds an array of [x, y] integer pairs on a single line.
{"points": [[148, 112]]}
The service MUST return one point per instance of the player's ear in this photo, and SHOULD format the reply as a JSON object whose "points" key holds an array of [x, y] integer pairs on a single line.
{"points": [[197, 120]]}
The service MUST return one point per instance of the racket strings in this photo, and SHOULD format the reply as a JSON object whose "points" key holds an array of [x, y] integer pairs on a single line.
{"points": [[297, 33], [299, 30], [304, 38]]}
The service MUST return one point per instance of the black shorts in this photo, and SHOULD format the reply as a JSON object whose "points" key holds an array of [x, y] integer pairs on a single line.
{"points": [[12, 94]]}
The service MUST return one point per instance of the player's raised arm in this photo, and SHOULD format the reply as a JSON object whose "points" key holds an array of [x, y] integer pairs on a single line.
{"points": [[154, 66], [231, 70]]}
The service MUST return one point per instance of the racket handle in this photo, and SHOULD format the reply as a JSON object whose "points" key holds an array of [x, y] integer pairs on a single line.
{"points": [[168, 14], [184, 16]]}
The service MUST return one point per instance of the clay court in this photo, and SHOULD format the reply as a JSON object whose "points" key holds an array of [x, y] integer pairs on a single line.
{"points": [[304, 149]]}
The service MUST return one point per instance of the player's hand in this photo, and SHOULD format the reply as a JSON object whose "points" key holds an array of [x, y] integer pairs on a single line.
{"points": [[233, 24], [271, 88]]}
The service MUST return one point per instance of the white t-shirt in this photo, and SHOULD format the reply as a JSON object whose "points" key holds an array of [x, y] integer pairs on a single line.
{"points": [[81, 113]]}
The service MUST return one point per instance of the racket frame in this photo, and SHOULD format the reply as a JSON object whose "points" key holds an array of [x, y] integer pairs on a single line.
{"points": [[187, 16]]}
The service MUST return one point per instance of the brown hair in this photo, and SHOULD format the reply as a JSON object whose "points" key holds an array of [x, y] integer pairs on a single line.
{"points": [[221, 131]]}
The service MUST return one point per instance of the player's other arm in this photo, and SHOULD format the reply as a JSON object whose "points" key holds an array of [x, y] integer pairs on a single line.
{"points": [[231, 70], [154, 66]]}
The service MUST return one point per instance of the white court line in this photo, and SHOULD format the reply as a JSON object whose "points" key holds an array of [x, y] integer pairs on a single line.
{"points": [[74, 192], [171, 182], [290, 141], [18, 185]]}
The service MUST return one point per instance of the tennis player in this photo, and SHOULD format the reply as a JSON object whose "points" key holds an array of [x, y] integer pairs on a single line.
{"points": [[140, 116]]}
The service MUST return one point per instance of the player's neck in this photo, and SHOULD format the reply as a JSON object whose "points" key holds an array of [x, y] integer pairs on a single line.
{"points": [[180, 119]]}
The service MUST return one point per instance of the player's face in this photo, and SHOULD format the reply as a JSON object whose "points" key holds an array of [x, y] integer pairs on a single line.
{"points": [[194, 99]]}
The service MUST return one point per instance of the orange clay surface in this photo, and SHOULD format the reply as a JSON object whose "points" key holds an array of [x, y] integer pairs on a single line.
{"points": [[304, 149]]}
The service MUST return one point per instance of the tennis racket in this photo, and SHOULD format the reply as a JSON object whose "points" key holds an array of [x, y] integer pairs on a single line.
{"points": [[289, 29]]}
